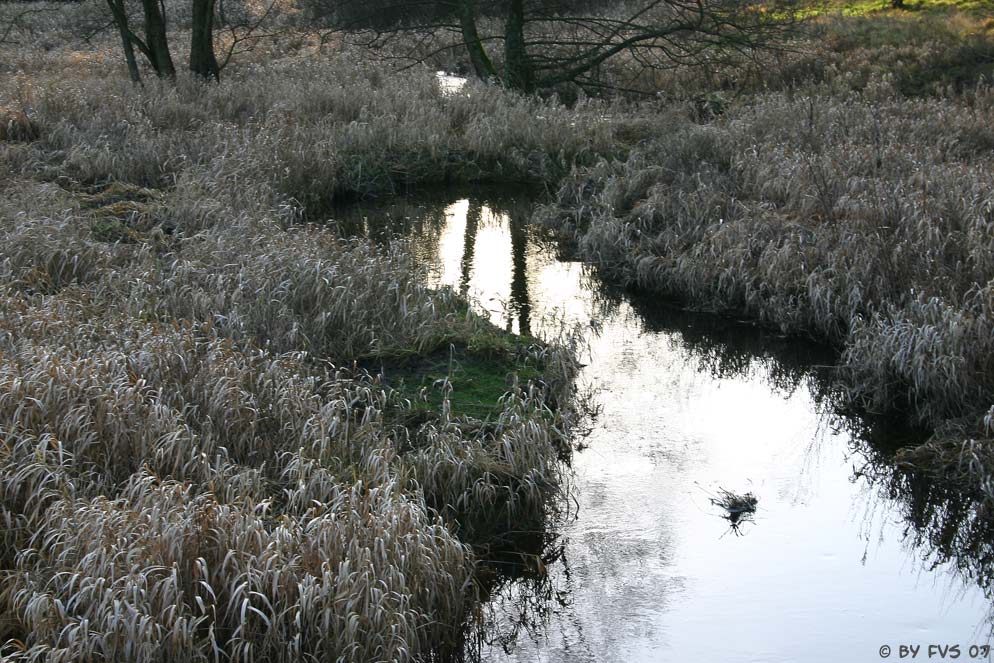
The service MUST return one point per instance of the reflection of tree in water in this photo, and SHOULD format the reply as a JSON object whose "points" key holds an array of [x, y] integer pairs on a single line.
{"points": [[951, 528], [421, 220], [724, 348], [523, 597], [469, 245], [520, 303], [946, 525], [516, 212], [384, 221]]}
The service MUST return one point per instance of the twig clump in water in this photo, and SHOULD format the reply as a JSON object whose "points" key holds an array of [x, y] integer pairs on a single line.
{"points": [[738, 508]]}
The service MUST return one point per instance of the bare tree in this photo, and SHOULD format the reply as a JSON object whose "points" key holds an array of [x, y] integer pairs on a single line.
{"points": [[243, 30], [478, 57], [206, 15], [154, 46], [120, 14], [543, 43], [203, 61]]}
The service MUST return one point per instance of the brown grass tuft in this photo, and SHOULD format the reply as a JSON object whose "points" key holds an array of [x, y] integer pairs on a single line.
{"points": [[16, 126]]}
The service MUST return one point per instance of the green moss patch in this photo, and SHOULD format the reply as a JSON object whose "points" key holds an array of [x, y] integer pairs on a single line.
{"points": [[121, 212], [475, 373]]}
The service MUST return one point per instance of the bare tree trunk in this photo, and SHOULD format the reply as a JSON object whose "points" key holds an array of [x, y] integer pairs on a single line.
{"points": [[155, 39], [203, 61], [121, 19], [482, 65], [517, 70]]}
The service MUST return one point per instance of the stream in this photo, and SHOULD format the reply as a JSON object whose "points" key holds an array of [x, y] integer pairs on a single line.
{"points": [[844, 554]]}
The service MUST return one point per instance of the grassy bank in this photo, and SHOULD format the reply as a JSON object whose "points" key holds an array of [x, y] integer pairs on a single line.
{"points": [[303, 130], [861, 217], [204, 446], [186, 469]]}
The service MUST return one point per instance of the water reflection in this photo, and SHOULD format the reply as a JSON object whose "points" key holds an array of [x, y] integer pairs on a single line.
{"points": [[521, 305], [849, 551], [947, 528], [484, 245], [469, 245]]}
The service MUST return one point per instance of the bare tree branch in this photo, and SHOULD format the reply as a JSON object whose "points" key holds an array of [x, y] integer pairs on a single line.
{"points": [[544, 43], [18, 22], [245, 33]]}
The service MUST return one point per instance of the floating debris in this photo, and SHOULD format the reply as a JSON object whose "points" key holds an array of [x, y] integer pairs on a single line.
{"points": [[739, 509]]}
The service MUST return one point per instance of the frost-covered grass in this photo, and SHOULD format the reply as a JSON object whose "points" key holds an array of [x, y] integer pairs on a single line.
{"points": [[191, 465]]}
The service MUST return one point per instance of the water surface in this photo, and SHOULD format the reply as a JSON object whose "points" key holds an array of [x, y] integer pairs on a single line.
{"points": [[844, 555]]}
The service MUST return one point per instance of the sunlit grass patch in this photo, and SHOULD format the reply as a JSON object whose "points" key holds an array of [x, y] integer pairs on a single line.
{"points": [[876, 7]]}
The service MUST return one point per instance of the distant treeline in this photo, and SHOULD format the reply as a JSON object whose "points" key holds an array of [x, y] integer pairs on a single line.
{"points": [[387, 13]]}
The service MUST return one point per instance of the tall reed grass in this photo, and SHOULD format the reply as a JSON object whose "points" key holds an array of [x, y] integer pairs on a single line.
{"points": [[184, 472]]}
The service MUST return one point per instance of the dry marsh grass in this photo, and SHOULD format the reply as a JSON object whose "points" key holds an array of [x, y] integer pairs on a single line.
{"points": [[859, 218], [923, 53], [181, 478], [191, 465], [185, 474], [310, 129]]}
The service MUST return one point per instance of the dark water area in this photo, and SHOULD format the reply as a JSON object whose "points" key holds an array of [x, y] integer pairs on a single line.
{"points": [[845, 554]]}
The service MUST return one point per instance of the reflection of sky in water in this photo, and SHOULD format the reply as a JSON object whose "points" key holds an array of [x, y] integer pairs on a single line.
{"points": [[488, 274], [651, 572]]}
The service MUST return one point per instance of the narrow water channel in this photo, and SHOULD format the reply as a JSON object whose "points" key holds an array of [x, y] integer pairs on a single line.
{"points": [[842, 556]]}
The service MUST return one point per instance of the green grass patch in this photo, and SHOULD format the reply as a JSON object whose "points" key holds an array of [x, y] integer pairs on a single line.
{"points": [[111, 230], [927, 51], [474, 374], [877, 7], [901, 28]]}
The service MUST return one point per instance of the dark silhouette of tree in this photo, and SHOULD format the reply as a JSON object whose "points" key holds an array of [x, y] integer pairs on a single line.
{"points": [[473, 215], [120, 15], [206, 16], [203, 61], [520, 298], [154, 46], [544, 43]]}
